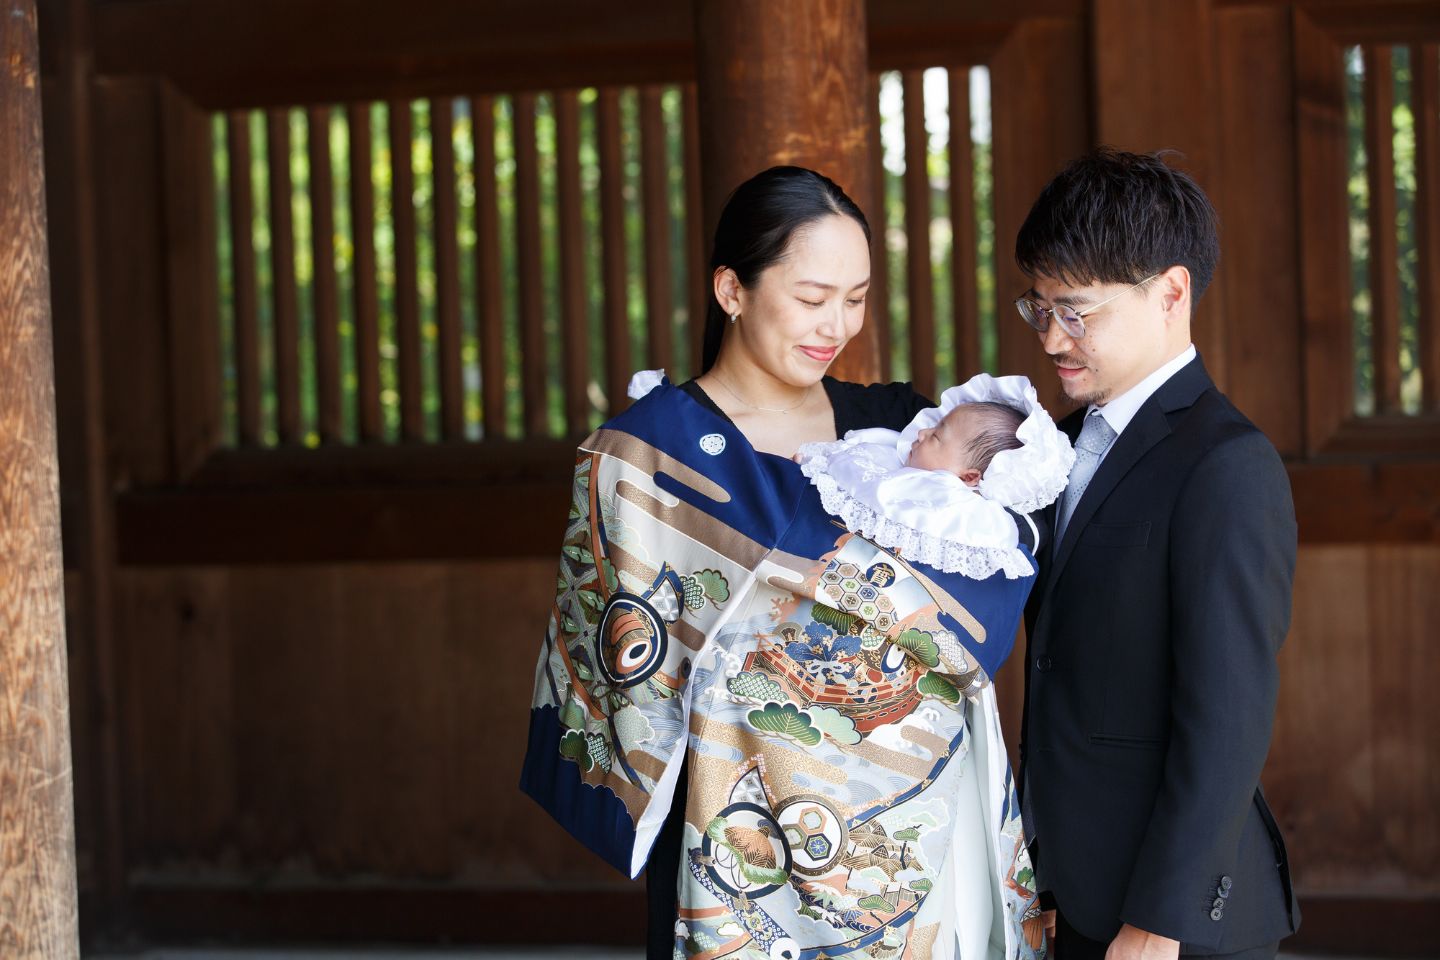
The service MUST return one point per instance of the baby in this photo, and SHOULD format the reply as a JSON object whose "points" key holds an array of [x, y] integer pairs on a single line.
{"points": [[966, 439], [954, 488]]}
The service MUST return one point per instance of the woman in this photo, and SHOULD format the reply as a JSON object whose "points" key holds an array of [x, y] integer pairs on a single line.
{"points": [[792, 726]]}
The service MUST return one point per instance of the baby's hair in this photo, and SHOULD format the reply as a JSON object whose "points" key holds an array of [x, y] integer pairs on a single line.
{"points": [[1000, 421]]}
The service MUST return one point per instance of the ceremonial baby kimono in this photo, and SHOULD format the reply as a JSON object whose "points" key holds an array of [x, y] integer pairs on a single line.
{"points": [[849, 793]]}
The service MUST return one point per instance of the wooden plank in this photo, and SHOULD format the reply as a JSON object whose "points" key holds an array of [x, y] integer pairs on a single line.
{"points": [[447, 268], [407, 291], [655, 199], [697, 273], [574, 322], [367, 294], [488, 279], [613, 266], [1040, 122], [533, 372], [325, 285], [1404, 670], [1256, 97], [1384, 246], [282, 278], [242, 269], [877, 299], [37, 874], [1425, 106], [192, 305], [1170, 109], [1324, 231], [920, 279], [964, 253]]}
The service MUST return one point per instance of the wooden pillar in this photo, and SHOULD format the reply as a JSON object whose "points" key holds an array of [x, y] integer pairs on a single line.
{"points": [[786, 83], [37, 869]]}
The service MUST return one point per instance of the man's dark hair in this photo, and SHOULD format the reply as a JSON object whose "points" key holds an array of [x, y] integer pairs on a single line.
{"points": [[1000, 421], [1115, 217]]}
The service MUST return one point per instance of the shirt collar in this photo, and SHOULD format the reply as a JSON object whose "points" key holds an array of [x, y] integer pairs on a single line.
{"points": [[1121, 410]]}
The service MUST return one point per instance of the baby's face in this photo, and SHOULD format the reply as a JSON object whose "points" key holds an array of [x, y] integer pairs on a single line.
{"points": [[945, 446]]}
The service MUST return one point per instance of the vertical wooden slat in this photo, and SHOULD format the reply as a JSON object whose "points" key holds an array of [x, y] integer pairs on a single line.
{"points": [[1384, 250], [654, 174], [964, 260], [697, 273], [527, 258], [1425, 104], [367, 302], [325, 287], [574, 336], [917, 231], [1324, 231], [447, 267], [488, 305], [407, 291], [242, 251], [878, 298], [282, 278], [612, 232]]}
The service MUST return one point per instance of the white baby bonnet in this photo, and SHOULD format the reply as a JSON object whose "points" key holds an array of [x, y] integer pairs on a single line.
{"points": [[931, 516]]}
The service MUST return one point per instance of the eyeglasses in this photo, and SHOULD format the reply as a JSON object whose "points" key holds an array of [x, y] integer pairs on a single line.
{"points": [[1070, 320]]}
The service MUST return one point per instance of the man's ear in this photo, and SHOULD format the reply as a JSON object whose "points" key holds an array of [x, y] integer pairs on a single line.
{"points": [[970, 477], [1174, 292]]}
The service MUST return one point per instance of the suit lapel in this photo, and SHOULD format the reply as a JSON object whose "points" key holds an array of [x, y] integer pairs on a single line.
{"points": [[1150, 425]]}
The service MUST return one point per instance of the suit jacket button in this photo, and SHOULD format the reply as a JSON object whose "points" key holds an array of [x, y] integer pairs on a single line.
{"points": [[1219, 903], [1043, 663], [1223, 893], [1225, 884], [1217, 914]]}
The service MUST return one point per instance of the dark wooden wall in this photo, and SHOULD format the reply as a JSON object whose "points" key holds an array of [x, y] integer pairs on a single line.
{"points": [[300, 684]]}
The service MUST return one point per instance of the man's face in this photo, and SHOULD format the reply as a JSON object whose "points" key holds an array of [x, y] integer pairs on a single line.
{"points": [[1125, 340]]}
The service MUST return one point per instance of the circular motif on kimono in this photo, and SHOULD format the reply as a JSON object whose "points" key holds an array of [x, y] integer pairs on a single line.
{"points": [[630, 643], [713, 443], [880, 574], [754, 848], [894, 659], [815, 831]]}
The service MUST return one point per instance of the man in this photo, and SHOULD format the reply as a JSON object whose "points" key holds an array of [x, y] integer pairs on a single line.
{"points": [[1163, 601]]}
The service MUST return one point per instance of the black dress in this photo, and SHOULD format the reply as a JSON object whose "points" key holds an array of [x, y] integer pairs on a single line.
{"points": [[856, 406]]}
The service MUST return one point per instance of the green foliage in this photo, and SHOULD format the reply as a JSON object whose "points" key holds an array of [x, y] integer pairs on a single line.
{"points": [[933, 685], [921, 646], [714, 585], [785, 720]]}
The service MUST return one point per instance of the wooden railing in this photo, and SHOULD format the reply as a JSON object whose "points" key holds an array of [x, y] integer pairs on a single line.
{"points": [[553, 246]]}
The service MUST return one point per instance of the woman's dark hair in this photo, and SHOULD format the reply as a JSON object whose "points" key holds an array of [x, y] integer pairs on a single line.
{"points": [[756, 227], [1116, 217]]}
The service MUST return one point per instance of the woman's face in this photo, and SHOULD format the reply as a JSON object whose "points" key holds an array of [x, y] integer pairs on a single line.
{"points": [[801, 311]]}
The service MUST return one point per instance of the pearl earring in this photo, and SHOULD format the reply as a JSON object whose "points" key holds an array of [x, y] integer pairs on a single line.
{"points": [[734, 317]]}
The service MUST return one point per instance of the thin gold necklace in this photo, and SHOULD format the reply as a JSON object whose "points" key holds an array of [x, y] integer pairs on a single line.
{"points": [[754, 406]]}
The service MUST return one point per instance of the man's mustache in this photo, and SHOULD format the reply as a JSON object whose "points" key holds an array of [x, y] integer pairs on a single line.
{"points": [[1068, 360]]}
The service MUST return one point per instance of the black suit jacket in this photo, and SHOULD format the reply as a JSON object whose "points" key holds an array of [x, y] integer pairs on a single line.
{"points": [[1151, 681]]}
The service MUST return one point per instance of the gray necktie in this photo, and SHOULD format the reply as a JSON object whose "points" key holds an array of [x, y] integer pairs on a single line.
{"points": [[1095, 438]]}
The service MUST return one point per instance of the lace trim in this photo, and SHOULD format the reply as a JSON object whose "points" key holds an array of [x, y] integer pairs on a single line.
{"points": [[978, 563]]}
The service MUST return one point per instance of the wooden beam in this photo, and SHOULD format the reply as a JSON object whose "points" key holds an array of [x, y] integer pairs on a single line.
{"points": [[242, 270], [407, 289], [534, 381], [574, 319], [613, 259], [964, 258], [367, 294], [877, 300], [1384, 245], [655, 202], [1425, 105], [786, 84], [447, 268], [1324, 231], [282, 278], [489, 305], [920, 281], [37, 830], [325, 286], [697, 254]]}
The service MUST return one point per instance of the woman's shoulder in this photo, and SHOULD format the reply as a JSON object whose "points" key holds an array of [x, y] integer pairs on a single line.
{"points": [[860, 405]]}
